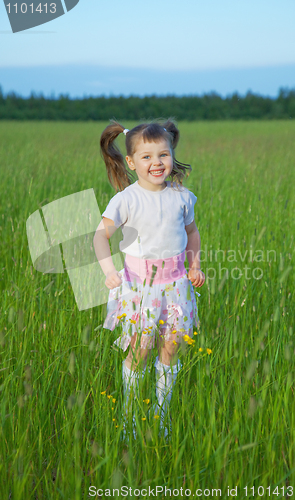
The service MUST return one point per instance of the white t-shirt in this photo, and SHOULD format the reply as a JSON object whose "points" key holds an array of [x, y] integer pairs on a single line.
{"points": [[153, 222]]}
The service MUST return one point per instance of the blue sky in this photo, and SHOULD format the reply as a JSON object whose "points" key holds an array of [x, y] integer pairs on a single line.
{"points": [[131, 47]]}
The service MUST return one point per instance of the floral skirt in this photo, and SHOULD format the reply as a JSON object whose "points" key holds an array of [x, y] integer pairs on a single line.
{"points": [[155, 298]]}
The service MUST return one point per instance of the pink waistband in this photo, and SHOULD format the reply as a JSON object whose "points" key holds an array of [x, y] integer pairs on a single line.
{"points": [[161, 270]]}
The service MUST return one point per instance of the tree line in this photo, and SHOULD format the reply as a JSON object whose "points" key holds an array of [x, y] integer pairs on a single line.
{"points": [[206, 107]]}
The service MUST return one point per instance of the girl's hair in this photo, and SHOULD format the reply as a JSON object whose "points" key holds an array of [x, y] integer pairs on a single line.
{"points": [[154, 131]]}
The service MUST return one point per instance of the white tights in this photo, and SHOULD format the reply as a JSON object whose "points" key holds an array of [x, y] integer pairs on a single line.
{"points": [[165, 380]]}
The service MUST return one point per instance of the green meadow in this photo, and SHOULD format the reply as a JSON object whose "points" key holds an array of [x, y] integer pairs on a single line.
{"points": [[232, 409]]}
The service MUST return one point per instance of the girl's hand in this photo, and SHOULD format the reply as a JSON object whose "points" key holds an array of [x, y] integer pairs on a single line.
{"points": [[113, 279], [197, 277]]}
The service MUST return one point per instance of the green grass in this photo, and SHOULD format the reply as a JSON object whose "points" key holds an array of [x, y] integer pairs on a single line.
{"points": [[233, 411]]}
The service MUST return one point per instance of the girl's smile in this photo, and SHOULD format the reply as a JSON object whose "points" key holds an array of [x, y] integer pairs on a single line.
{"points": [[153, 163]]}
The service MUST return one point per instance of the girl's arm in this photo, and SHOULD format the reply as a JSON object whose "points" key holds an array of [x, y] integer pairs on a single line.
{"points": [[102, 249], [195, 274], [193, 246]]}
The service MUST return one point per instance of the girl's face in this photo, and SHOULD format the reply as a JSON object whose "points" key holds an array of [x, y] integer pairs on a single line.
{"points": [[153, 163]]}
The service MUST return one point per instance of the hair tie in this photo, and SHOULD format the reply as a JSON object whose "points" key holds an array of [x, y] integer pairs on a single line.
{"points": [[125, 131]]}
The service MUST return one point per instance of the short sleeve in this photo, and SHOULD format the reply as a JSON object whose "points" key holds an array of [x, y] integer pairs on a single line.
{"points": [[189, 211], [117, 210]]}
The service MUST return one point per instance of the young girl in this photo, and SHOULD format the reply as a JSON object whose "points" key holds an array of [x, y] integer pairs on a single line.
{"points": [[152, 296]]}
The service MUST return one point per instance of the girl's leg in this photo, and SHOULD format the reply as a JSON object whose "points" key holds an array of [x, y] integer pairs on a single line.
{"points": [[136, 355], [167, 367], [168, 352], [136, 358]]}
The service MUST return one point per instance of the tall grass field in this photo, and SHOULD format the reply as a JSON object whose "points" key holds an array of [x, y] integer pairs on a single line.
{"points": [[233, 404]]}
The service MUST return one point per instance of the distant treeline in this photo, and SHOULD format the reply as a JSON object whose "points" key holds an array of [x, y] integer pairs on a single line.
{"points": [[207, 107]]}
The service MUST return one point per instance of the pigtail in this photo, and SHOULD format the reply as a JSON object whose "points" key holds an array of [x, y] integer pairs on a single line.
{"points": [[170, 126], [180, 169], [118, 175]]}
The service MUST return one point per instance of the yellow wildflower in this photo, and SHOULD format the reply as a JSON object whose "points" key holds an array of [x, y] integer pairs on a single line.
{"points": [[114, 419], [124, 314], [161, 322], [133, 321], [174, 342], [114, 400], [195, 333], [186, 338], [117, 426], [200, 349], [209, 351], [157, 416], [110, 396], [103, 392], [112, 407], [174, 331], [143, 418], [146, 401]]}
